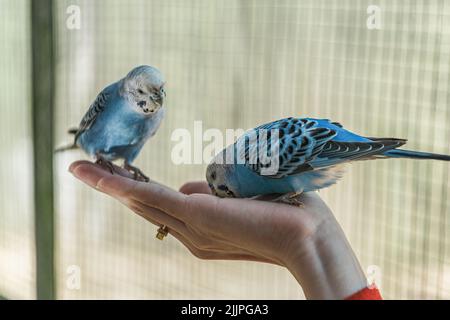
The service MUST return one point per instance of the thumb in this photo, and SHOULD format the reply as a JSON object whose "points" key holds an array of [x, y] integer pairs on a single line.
{"points": [[195, 187]]}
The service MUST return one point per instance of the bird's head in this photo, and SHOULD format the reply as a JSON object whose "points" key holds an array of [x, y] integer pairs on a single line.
{"points": [[144, 87], [221, 180]]}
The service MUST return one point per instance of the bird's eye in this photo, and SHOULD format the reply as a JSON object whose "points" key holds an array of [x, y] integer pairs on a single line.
{"points": [[140, 91]]}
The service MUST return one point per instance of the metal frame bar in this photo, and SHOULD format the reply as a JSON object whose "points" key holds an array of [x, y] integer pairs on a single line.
{"points": [[42, 115]]}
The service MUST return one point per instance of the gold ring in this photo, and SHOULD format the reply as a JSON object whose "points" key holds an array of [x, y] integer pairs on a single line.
{"points": [[162, 232]]}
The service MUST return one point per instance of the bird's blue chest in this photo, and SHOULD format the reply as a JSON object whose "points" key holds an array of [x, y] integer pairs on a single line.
{"points": [[116, 133], [250, 184]]}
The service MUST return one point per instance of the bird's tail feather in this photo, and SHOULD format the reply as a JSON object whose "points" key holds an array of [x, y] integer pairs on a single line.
{"points": [[65, 148], [399, 153], [72, 131], [70, 146]]}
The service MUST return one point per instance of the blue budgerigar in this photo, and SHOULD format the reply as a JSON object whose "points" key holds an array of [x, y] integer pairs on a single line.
{"points": [[310, 156], [121, 119]]}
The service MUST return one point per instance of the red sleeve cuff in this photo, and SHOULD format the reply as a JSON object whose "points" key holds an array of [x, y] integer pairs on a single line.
{"points": [[368, 293]]}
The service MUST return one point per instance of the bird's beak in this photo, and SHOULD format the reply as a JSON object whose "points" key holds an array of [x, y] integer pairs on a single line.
{"points": [[213, 190], [159, 97]]}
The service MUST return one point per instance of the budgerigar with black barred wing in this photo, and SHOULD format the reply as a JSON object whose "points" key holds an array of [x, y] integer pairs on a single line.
{"points": [[309, 155]]}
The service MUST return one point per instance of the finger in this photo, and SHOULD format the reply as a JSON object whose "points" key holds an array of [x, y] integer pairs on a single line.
{"points": [[194, 240], [150, 193], [179, 230], [190, 240], [195, 187], [156, 216], [117, 170], [88, 172]]}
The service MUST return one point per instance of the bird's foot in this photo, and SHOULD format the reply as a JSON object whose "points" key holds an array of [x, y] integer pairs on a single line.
{"points": [[105, 163], [137, 173], [292, 199]]}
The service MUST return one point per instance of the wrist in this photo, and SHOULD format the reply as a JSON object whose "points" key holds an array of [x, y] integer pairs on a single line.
{"points": [[325, 265]]}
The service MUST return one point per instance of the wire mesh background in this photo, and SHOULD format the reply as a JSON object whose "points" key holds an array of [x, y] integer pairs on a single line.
{"points": [[235, 64]]}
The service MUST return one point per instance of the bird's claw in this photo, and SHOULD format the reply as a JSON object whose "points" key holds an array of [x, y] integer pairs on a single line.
{"points": [[105, 163], [291, 199], [137, 173]]}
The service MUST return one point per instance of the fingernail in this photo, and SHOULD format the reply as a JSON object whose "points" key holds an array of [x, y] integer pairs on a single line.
{"points": [[74, 172], [72, 167]]}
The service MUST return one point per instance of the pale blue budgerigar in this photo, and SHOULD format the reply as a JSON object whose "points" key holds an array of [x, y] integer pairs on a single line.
{"points": [[122, 118], [311, 154]]}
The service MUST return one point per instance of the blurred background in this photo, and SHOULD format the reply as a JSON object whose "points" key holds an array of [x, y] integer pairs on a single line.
{"points": [[231, 64]]}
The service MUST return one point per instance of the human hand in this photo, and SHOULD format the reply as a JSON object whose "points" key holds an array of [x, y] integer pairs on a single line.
{"points": [[307, 240]]}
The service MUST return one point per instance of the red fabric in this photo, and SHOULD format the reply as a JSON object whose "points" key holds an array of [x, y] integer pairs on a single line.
{"points": [[368, 293]]}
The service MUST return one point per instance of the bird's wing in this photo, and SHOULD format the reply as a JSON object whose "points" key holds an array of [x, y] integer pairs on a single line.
{"points": [[97, 107], [298, 143], [304, 144], [336, 152]]}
